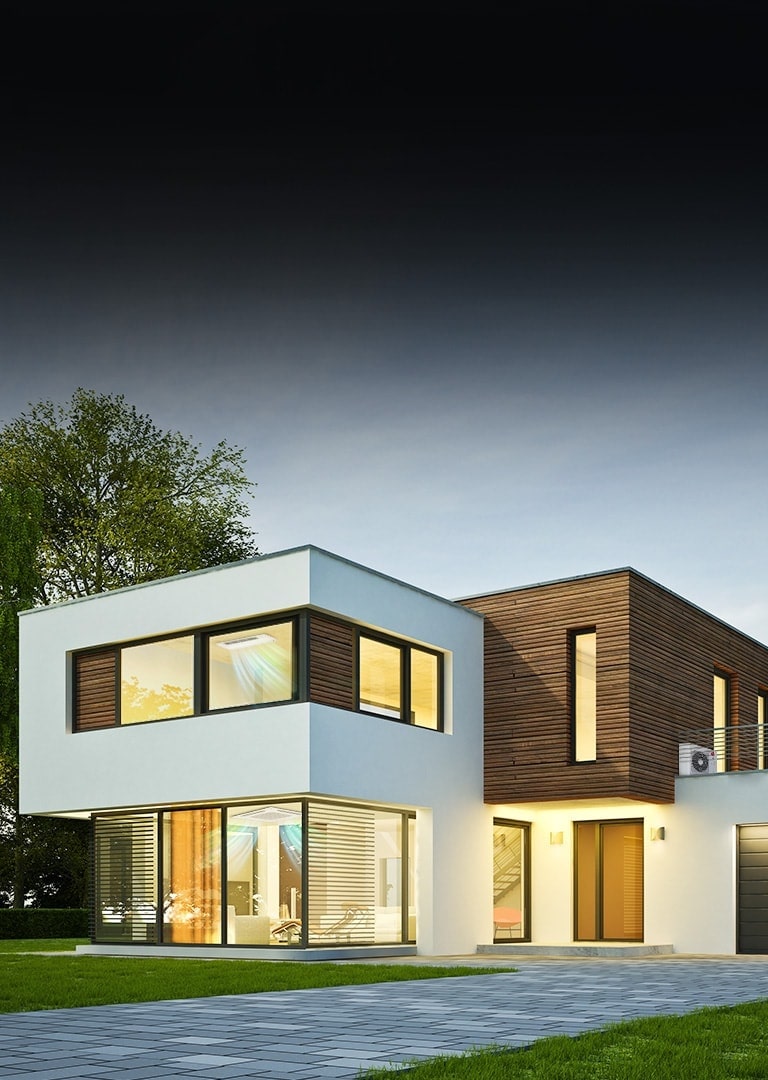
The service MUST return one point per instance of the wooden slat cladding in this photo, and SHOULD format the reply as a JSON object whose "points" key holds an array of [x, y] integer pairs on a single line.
{"points": [[674, 650], [656, 655], [528, 746], [331, 663], [95, 690]]}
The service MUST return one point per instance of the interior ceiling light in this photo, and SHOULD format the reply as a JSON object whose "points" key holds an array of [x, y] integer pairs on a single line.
{"points": [[246, 642], [275, 815]]}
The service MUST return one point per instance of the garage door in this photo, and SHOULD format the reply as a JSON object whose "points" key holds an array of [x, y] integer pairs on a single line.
{"points": [[753, 889]]}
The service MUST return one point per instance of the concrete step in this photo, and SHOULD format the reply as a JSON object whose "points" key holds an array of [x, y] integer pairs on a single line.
{"points": [[581, 948]]}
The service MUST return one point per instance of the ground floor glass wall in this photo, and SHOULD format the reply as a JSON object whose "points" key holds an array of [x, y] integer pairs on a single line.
{"points": [[299, 872]]}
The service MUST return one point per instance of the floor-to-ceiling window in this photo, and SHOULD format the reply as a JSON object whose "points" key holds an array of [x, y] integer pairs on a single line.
{"points": [[511, 843], [191, 878], [300, 872], [264, 874], [609, 881]]}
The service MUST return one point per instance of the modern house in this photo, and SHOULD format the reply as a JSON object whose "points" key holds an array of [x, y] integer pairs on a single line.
{"points": [[298, 756]]}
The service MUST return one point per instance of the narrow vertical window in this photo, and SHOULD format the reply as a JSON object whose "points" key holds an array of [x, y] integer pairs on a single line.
{"points": [[584, 667], [424, 689], [762, 713], [721, 707]]}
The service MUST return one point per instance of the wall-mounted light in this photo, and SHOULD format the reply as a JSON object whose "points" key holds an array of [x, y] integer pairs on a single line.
{"points": [[556, 838], [658, 832]]}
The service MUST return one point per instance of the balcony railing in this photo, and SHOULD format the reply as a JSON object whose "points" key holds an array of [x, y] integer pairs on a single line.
{"points": [[737, 748]]}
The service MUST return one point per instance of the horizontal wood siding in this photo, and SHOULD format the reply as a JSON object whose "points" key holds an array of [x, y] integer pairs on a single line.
{"points": [[674, 650], [656, 655], [528, 744], [331, 663], [95, 690]]}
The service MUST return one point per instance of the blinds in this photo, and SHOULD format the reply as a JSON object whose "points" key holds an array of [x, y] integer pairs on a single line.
{"points": [[341, 874], [125, 878]]}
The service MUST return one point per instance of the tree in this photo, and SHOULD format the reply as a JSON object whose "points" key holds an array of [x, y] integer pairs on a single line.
{"points": [[20, 531], [123, 501], [93, 496]]}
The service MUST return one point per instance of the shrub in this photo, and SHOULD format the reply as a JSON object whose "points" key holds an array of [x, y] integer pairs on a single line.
{"points": [[43, 922]]}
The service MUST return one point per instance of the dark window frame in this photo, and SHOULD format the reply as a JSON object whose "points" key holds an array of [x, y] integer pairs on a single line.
{"points": [[573, 634], [405, 646], [301, 665], [525, 828], [160, 812], [200, 659]]}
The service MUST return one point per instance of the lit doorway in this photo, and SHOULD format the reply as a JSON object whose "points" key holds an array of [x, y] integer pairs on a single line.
{"points": [[609, 881], [511, 845]]}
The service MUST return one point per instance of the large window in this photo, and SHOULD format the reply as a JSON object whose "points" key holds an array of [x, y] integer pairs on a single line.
{"points": [[584, 694], [400, 681], [191, 901], [295, 873], [156, 680], [250, 667], [298, 657]]}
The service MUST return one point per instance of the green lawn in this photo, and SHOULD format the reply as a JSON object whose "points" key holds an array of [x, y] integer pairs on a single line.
{"points": [[712, 1044], [66, 981]]}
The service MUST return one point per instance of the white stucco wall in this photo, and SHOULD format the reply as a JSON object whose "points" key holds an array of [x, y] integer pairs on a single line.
{"points": [[294, 749], [690, 876], [701, 855]]}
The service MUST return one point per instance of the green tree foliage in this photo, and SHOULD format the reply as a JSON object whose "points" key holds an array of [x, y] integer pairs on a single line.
{"points": [[123, 501], [93, 496], [20, 531]]}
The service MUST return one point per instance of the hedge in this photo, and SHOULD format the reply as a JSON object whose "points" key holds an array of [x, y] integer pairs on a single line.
{"points": [[43, 922]]}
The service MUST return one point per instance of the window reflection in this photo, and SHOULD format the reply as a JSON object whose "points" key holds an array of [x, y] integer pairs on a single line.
{"points": [[156, 680], [250, 667], [192, 876]]}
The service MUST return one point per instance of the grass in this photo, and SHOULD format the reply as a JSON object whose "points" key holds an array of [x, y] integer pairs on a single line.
{"points": [[41, 945], [711, 1044], [67, 981]]}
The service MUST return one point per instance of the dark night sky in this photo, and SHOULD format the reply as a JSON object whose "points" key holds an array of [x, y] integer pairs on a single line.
{"points": [[482, 294]]}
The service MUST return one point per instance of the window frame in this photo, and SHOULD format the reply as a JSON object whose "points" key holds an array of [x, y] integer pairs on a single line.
{"points": [[200, 661], [573, 636], [405, 647]]}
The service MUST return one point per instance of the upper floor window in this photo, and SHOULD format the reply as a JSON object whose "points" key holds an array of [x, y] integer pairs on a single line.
{"points": [[400, 681], [156, 680], [721, 711], [300, 656], [762, 719], [584, 694], [250, 667]]}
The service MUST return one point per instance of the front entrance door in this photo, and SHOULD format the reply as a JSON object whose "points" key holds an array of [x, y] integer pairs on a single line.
{"points": [[609, 881]]}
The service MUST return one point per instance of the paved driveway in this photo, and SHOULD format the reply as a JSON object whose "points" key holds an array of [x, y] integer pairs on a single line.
{"points": [[331, 1033]]}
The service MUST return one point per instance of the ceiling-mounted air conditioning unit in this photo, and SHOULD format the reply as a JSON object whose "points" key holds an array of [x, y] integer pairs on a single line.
{"points": [[697, 760]]}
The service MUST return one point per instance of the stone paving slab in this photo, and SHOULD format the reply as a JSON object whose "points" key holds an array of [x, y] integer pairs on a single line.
{"points": [[331, 1033]]}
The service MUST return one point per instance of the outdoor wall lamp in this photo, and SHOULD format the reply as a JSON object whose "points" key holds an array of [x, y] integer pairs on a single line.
{"points": [[556, 838], [658, 832]]}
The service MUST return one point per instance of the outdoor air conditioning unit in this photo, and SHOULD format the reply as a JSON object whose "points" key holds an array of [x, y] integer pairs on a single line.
{"points": [[697, 760]]}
